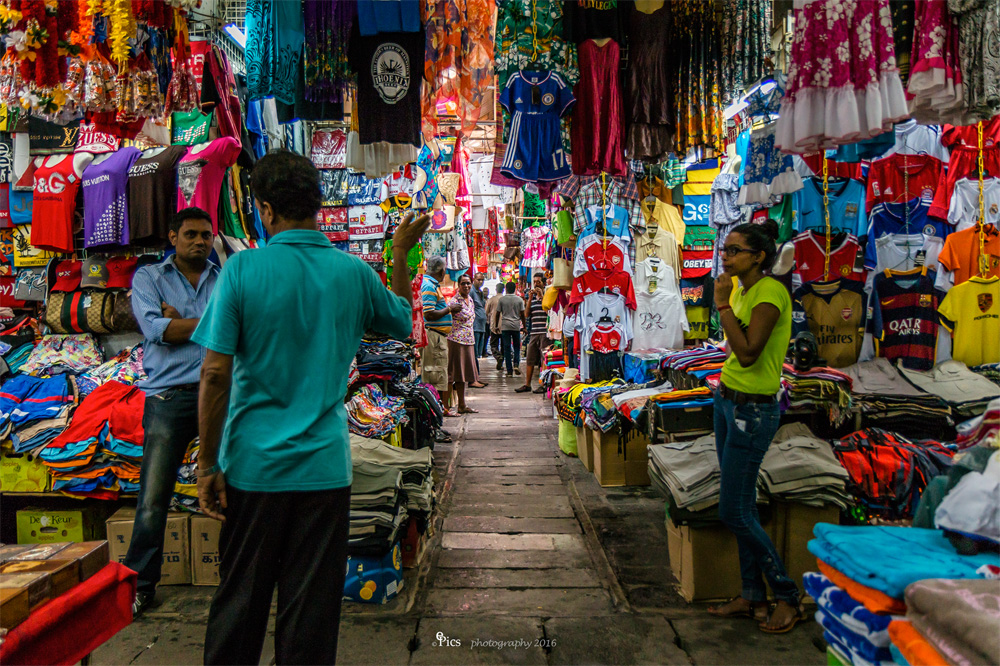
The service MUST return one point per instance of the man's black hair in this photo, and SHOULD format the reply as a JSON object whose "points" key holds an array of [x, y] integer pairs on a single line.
{"points": [[192, 213], [511, 287], [290, 183]]}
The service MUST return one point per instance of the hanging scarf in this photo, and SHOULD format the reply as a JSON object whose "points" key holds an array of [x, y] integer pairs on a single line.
{"points": [[328, 28]]}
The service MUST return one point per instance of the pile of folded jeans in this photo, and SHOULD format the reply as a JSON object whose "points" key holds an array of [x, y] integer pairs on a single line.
{"points": [[378, 508], [964, 391], [125, 368], [949, 621], [101, 449], [371, 413], [35, 410], [801, 468], [886, 400], [415, 465], [818, 389], [889, 472]]}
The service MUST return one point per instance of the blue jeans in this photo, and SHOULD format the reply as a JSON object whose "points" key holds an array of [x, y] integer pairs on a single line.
{"points": [[743, 434], [170, 422], [510, 343], [482, 339]]}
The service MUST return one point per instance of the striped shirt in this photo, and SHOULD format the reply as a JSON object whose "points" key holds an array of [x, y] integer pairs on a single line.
{"points": [[538, 317], [432, 300], [167, 364]]}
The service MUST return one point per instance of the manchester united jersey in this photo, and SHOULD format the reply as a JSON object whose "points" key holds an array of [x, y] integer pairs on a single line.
{"points": [[810, 257]]}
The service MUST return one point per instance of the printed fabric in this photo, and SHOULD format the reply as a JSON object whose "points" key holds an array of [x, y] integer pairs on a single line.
{"points": [[768, 171], [535, 247], [461, 328], [57, 354]]}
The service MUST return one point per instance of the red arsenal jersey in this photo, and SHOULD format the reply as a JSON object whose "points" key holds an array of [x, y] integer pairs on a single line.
{"points": [[607, 338], [605, 257], [592, 282], [810, 255]]}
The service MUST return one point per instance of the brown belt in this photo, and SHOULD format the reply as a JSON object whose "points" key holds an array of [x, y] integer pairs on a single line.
{"points": [[741, 398]]}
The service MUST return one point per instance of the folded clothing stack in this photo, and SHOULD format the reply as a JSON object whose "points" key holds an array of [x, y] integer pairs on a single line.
{"points": [[971, 509], [856, 634], [964, 391], [18, 356], [817, 389], [35, 410], [415, 465], [102, 447], [125, 368], [58, 354], [693, 367], [371, 413], [686, 473], [378, 508], [984, 429], [801, 468], [990, 370], [384, 359], [886, 400], [423, 405], [684, 398], [957, 619], [888, 472]]}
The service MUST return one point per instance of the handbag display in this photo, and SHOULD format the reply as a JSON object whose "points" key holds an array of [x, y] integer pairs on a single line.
{"points": [[122, 317], [80, 312], [562, 273]]}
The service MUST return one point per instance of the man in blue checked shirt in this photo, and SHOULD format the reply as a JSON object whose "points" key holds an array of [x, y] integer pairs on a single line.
{"points": [[168, 300]]}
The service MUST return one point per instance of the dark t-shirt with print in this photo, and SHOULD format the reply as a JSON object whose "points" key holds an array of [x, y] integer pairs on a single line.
{"points": [[390, 67]]}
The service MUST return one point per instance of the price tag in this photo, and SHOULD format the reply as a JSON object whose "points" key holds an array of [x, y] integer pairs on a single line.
{"points": [[652, 285]]}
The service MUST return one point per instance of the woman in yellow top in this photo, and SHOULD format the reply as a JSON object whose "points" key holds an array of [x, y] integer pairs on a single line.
{"points": [[757, 319]]}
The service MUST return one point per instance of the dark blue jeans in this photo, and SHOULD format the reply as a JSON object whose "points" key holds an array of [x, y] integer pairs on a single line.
{"points": [[170, 422], [482, 338], [510, 343], [743, 434]]}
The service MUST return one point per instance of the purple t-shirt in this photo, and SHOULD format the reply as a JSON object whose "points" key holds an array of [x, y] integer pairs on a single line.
{"points": [[105, 199]]}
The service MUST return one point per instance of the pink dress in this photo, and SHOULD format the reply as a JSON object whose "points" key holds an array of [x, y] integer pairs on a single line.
{"points": [[935, 91], [597, 137], [843, 82]]}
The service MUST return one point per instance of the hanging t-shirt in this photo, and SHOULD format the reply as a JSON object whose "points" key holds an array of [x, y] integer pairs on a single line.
{"points": [[51, 139], [698, 318], [362, 191], [660, 321], [962, 250], [914, 139], [390, 69], [365, 222], [394, 209], [592, 308], [810, 257], [901, 252], [612, 219], [6, 158], [375, 16], [847, 206], [964, 210], [653, 274], [697, 263], [200, 174], [971, 311], [889, 219], [191, 127], [93, 140], [334, 185], [902, 178], [601, 253], [26, 254], [835, 313], [398, 182], [21, 206], [334, 224], [152, 183], [53, 205], [593, 282], [105, 199], [536, 102], [903, 318], [595, 19]]}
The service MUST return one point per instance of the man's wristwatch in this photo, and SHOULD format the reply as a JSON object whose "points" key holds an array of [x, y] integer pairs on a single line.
{"points": [[214, 469]]}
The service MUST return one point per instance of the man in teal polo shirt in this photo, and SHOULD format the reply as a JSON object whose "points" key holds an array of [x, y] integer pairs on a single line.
{"points": [[280, 332]]}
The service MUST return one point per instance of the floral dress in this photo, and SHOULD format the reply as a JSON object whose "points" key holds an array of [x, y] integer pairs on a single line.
{"points": [[461, 321]]}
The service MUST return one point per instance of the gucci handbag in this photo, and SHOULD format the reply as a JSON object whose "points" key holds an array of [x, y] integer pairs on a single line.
{"points": [[80, 312]]}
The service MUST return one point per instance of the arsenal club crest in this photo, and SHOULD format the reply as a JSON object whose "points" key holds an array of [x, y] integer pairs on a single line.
{"points": [[985, 302], [846, 313]]}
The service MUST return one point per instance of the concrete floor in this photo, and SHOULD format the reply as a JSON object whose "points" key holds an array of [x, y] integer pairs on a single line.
{"points": [[532, 562]]}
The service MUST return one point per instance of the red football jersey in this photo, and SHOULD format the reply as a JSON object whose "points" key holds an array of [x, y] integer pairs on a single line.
{"points": [[810, 256], [608, 257], [593, 281], [888, 181], [607, 338]]}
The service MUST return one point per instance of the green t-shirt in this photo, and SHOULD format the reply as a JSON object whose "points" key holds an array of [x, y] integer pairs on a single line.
{"points": [[764, 376], [190, 128], [292, 315]]}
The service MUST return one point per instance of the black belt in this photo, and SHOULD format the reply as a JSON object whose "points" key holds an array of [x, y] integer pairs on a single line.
{"points": [[741, 398], [185, 387]]}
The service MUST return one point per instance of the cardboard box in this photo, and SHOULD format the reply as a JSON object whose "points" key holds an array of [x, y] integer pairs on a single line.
{"points": [[20, 473], [176, 568], [10, 551], [40, 552], [585, 447], [63, 574], [14, 606], [37, 584], [373, 580], [793, 528], [89, 556], [43, 526], [205, 550], [625, 468]]}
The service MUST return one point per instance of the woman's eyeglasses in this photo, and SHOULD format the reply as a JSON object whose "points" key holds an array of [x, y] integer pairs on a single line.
{"points": [[734, 250]]}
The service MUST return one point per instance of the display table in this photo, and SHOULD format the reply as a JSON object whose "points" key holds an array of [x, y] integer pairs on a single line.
{"points": [[68, 628]]}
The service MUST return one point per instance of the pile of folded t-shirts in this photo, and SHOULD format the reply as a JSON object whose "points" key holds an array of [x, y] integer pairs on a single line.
{"points": [[416, 466], [889, 472], [423, 406], [801, 468], [124, 368], [569, 402], [855, 634], [886, 400], [964, 391], [101, 449], [384, 360], [990, 370], [949, 621], [371, 413], [631, 402], [58, 354], [378, 508], [35, 410], [17, 357], [817, 389], [699, 365]]}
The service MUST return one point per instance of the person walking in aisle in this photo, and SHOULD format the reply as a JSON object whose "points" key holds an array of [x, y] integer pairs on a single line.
{"points": [[168, 299], [275, 458], [479, 328], [437, 316], [493, 322], [757, 319], [538, 338], [510, 312], [461, 345]]}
